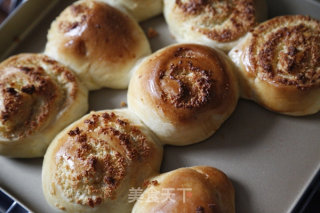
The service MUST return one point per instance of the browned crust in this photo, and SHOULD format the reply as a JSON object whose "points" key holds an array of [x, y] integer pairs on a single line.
{"points": [[114, 33], [102, 148], [286, 50], [236, 17], [187, 80], [206, 190], [33, 89]]}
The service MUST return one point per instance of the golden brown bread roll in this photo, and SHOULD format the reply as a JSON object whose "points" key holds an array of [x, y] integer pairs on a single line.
{"points": [[92, 164], [140, 9], [99, 42], [38, 98], [279, 65], [184, 92], [220, 24], [196, 189]]}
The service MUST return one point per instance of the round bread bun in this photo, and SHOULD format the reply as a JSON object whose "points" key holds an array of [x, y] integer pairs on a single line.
{"points": [[195, 189], [220, 24], [279, 65], [38, 98], [140, 10], [99, 42], [92, 164], [183, 92]]}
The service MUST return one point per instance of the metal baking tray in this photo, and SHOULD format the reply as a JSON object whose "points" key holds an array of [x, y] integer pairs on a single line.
{"points": [[9, 204], [270, 158]]}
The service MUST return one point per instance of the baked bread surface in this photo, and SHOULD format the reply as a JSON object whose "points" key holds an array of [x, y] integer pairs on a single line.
{"points": [[93, 163], [194, 189], [278, 65], [220, 24], [98, 41], [183, 92], [38, 98]]}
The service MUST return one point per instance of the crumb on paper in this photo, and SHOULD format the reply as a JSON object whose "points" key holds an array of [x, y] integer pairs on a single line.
{"points": [[123, 104], [152, 33]]}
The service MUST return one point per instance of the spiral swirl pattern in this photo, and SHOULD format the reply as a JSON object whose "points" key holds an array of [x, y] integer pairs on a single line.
{"points": [[286, 50], [189, 78], [215, 23], [222, 21], [183, 92], [31, 95]]}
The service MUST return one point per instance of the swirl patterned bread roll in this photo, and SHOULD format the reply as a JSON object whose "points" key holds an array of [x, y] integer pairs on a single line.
{"points": [[220, 24], [184, 92], [92, 165], [38, 98], [139, 9], [279, 65], [195, 189], [99, 42]]}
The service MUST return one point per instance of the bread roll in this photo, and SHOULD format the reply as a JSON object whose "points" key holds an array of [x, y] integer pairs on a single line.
{"points": [[197, 189], [38, 98], [99, 42], [184, 92], [220, 24], [279, 65], [92, 164], [140, 9]]}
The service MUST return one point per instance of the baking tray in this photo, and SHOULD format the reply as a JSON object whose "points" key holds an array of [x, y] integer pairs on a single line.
{"points": [[270, 158], [9, 204]]}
